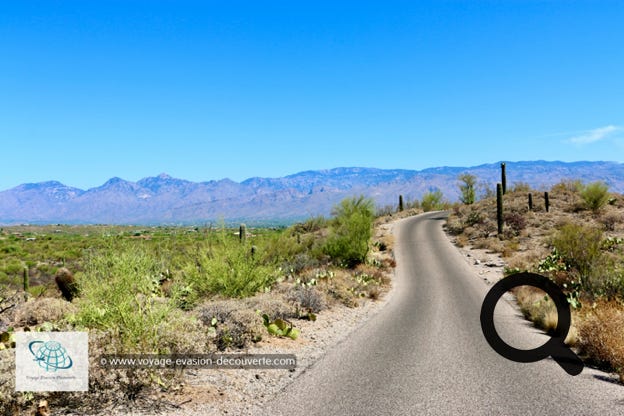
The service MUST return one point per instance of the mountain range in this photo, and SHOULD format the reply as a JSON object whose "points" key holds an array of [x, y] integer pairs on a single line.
{"points": [[166, 200]]}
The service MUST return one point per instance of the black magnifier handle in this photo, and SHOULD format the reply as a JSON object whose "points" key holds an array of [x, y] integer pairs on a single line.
{"points": [[568, 360]]}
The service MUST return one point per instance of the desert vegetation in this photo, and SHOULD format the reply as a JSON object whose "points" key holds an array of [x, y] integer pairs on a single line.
{"points": [[578, 243], [178, 290]]}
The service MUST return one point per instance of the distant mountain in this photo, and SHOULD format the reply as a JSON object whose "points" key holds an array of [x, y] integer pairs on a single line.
{"points": [[166, 200]]}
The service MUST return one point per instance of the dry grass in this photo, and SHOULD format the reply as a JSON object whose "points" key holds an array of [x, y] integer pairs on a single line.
{"points": [[537, 307], [42, 310], [601, 335]]}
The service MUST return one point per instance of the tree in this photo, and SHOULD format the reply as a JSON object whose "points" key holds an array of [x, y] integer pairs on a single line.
{"points": [[432, 201], [467, 188]]}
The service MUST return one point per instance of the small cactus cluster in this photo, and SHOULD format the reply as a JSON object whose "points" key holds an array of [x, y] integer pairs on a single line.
{"points": [[280, 327], [66, 283], [7, 339]]}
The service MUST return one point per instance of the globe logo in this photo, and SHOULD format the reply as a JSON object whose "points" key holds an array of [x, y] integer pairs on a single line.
{"points": [[50, 355]]}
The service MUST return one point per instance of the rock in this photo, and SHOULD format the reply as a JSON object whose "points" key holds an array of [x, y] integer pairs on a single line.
{"points": [[477, 262]]}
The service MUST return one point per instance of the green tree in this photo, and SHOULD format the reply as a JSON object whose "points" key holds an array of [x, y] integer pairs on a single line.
{"points": [[351, 230], [467, 188], [432, 201]]}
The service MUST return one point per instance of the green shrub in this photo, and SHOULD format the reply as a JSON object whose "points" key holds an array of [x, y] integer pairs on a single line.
{"points": [[351, 231], [432, 201], [14, 267], [226, 267], [595, 195], [117, 296], [580, 248]]}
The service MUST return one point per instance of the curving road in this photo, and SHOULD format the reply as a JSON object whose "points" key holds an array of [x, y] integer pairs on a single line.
{"points": [[424, 352]]}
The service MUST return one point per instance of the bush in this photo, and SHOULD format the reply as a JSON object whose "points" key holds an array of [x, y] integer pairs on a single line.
{"points": [[234, 327], [351, 231], [611, 220], [580, 248], [42, 310], [522, 187], [601, 336], [432, 201], [118, 285], [226, 267], [307, 299], [310, 225], [567, 185], [515, 221], [595, 195]]}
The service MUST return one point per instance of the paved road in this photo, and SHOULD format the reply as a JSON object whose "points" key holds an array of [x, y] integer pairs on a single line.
{"points": [[424, 353]]}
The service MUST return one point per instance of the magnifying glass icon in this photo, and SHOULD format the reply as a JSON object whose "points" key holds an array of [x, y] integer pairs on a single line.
{"points": [[554, 347]]}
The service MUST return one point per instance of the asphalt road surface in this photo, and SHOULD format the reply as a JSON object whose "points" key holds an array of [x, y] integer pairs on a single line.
{"points": [[424, 352]]}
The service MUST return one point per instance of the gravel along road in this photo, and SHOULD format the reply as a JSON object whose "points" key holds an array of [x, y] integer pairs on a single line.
{"points": [[424, 353]]}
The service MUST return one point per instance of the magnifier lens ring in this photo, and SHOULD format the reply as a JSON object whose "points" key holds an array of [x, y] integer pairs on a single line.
{"points": [[525, 279]]}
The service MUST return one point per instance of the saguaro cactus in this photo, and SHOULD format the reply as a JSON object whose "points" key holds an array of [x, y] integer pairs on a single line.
{"points": [[499, 208], [26, 281], [242, 233], [504, 178], [546, 201], [400, 203], [530, 201]]}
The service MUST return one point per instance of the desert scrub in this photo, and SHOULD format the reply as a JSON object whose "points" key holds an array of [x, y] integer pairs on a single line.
{"points": [[45, 309], [227, 267], [350, 231], [119, 287], [433, 201], [595, 195], [307, 299], [601, 335], [537, 307], [230, 325], [580, 248]]}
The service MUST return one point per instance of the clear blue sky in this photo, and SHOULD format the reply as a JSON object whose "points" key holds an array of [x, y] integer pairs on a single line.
{"points": [[212, 89]]}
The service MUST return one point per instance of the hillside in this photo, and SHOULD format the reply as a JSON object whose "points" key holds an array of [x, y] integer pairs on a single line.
{"points": [[166, 200], [579, 248]]}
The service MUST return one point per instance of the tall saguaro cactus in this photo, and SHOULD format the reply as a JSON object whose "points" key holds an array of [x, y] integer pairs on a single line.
{"points": [[499, 209], [530, 201], [504, 177], [400, 203], [546, 202], [242, 233], [26, 281]]}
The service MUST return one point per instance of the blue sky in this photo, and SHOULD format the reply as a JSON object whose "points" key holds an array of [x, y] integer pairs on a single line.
{"points": [[212, 89]]}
